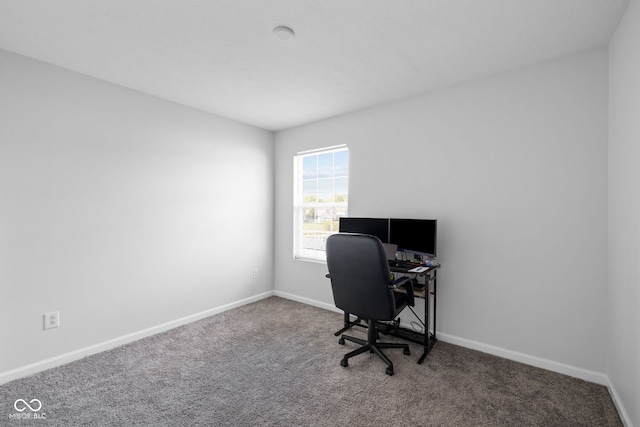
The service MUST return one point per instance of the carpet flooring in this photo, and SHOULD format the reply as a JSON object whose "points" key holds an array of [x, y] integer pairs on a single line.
{"points": [[276, 363]]}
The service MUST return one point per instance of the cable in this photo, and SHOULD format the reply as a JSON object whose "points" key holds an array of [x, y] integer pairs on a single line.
{"points": [[415, 325]]}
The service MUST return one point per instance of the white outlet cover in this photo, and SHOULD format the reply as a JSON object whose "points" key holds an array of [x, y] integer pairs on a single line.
{"points": [[51, 319]]}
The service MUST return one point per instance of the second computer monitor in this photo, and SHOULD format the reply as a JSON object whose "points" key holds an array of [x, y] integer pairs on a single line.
{"points": [[414, 235]]}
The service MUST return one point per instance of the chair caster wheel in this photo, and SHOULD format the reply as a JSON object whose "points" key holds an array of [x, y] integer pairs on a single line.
{"points": [[406, 351], [341, 341], [389, 370], [344, 363]]}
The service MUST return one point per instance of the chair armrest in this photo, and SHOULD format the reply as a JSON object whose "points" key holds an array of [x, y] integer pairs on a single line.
{"points": [[408, 286]]}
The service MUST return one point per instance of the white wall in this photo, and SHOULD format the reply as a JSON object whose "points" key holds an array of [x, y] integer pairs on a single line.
{"points": [[623, 334], [120, 210], [514, 167]]}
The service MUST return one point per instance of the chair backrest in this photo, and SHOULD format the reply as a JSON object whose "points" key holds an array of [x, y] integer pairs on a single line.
{"points": [[360, 276]]}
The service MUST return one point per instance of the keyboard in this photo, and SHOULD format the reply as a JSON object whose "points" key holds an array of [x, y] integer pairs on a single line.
{"points": [[402, 264]]}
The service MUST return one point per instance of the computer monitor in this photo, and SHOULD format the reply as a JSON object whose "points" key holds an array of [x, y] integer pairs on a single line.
{"points": [[414, 235], [378, 227]]}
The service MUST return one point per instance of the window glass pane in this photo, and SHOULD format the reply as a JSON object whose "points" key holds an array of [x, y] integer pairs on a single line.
{"points": [[325, 190], [322, 180], [309, 167], [309, 190], [325, 165], [341, 163], [341, 189]]}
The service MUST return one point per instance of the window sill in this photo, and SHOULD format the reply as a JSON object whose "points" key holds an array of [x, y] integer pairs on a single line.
{"points": [[312, 260]]}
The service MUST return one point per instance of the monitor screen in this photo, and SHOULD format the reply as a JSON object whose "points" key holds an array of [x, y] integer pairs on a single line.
{"points": [[378, 227], [414, 235]]}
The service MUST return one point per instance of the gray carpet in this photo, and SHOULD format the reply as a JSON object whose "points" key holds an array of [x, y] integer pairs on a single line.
{"points": [[276, 363]]}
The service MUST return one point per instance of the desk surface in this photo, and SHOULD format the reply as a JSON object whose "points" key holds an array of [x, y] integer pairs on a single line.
{"points": [[406, 270]]}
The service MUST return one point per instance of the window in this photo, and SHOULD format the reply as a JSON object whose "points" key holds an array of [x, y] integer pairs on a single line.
{"points": [[321, 194]]}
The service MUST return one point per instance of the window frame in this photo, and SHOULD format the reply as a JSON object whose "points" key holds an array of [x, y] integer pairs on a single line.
{"points": [[299, 207]]}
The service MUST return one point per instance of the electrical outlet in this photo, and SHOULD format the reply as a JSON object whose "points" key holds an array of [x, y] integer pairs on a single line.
{"points": [[51, 320], [255, 273]]}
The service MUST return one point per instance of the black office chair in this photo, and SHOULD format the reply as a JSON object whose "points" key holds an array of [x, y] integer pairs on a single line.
{"points": [[362, 285]]}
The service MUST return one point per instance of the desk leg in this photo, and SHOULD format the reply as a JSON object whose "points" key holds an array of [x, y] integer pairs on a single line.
{"points": [[435, 273], [427, 319], [429, 340]]}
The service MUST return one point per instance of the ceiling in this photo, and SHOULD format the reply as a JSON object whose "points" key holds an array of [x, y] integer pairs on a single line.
{"points": [[220, 56]]}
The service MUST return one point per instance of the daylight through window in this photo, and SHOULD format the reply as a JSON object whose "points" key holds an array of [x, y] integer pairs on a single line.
{"points": [[321, 198]]}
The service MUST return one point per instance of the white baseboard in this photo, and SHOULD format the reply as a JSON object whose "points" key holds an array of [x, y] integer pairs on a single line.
{"points": [[116, 342], [307, 301], [550, 365], [624, 416]]}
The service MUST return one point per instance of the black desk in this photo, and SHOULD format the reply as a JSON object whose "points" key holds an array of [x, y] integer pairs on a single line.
{"points": [[426, 338]]}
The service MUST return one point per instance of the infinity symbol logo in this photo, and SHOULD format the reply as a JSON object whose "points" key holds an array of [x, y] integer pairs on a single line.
{"points": [[23, 407]]}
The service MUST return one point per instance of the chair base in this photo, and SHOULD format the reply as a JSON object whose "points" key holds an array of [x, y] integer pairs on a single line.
{"points": [[371, 345], [348, 324]]}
